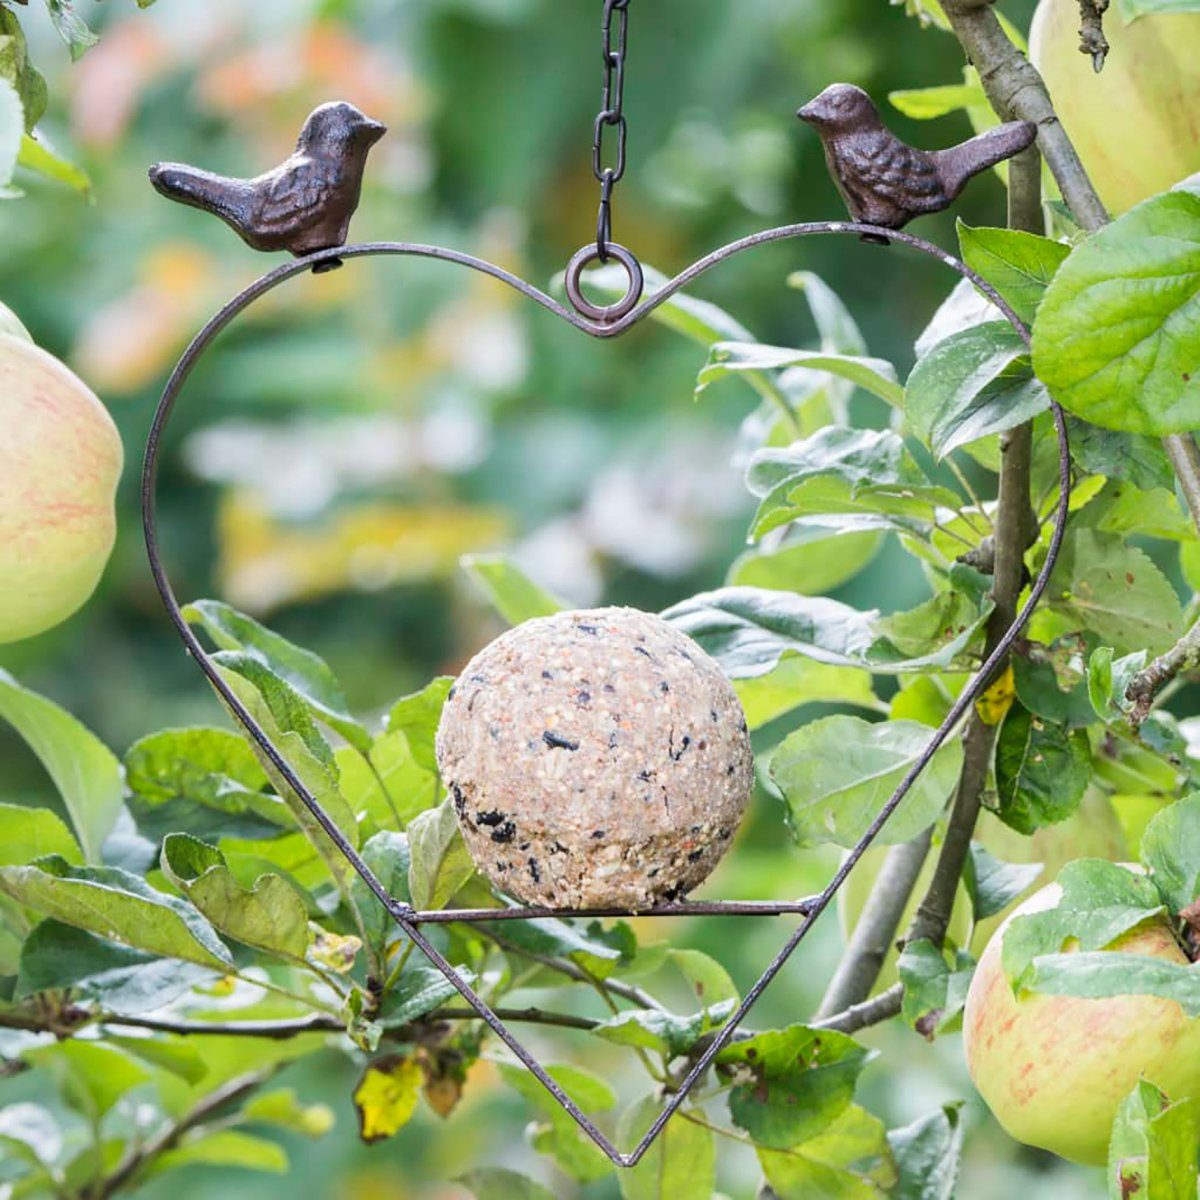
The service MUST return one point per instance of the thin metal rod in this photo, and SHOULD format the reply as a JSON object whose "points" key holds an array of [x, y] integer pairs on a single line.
{"points": [[690, 908], [403, 914]]}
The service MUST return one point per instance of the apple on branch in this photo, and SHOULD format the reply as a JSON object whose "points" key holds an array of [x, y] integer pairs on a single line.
{"points": [[60, 461]]}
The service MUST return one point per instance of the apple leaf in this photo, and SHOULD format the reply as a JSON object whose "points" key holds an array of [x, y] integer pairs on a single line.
{"points": [[1100, 902], [17, 69], [1099, 975], [1170, 848], [793, 1082], [85, 772], [1042, 770], [838, 329], [975, 383], [555, 1132], [935, 987], [270, 916], [993, 885], [1131, 10], [119, 905], [814, 558], [872, 374], [1153, 1150], [440, 863], [72, 28], [419, 990], [119, 978], [386, 1096], [706, 977], [848, 1160], [207, 780], [417, 717], [304, 672], [511, 592], [1107, 680], [795, 681], [842, 470], [837, 773], [38, 155], [680, 1165], [661, 1031], [1117, 337], [927, 1153], [550, 936], [495, 1183], [29, 833], [1017, 264], [388, 856]]}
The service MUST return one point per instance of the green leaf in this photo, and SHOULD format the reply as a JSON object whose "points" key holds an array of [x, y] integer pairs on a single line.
{"points": [[1117, 337], [927, 1153], [91, 1076], [1116, 455], [555, 1132], [707, 978], [664, 1032], [993, 885], [1099, 975], [1042, 770], [1132, 10], [16, 69], [1115, 591], [842, 470], [72, 28], [813, 559], [205, 780], [36, 154], [270, 916], [839, 331], [282, 1109], [731, 358], [31, 1132], [1152, 1152], [511, 592], [388, 856], [681, 1164], [223, 1148], [118, 978], [417, 717], [850, 1160], [1122, 508], [972, 385], [306, 674], [935, 989], [1100, 902], [928, 12], [1170, 848], [749, 630], [837, 773], [495, 1183], [548, 936], [792, 1083], [795, 681], [1108, 679], [116, 904], [85, 772], [440, 862], [419, 990], [926, 104], [29, 833], [1017, 264], [386, 1096], [286, 720]]}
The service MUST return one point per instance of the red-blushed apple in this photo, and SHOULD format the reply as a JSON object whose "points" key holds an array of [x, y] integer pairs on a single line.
{"points": [[60, 459], [1134, 124], [1055, 1069]]}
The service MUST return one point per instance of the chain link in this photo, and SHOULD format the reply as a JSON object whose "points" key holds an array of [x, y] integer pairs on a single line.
{"points": [[611, 116]]}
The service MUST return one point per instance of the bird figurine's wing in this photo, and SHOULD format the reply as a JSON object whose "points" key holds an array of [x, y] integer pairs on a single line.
{"points": [[293, 196], [892, 175]]}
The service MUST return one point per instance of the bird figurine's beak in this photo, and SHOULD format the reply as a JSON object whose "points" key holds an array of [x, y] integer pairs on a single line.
{"points": [[373, 131], [808, 112]]}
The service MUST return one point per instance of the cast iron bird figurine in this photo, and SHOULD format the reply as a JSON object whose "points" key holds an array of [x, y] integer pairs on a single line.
{"points": [[883, 180], [303, 205]]}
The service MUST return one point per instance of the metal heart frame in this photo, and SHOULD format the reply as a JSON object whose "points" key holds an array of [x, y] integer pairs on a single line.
{"points": [[605, 323]]}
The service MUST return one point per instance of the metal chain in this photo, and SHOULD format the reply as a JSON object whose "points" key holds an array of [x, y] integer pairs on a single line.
{"points": [[611, 115]]}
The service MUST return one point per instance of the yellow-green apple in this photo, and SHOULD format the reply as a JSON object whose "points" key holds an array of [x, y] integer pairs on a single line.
{"points": [[60, 459], [1054, 1069], [1134, 124]]}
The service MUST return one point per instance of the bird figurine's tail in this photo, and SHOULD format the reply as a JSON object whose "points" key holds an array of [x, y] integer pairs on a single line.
{"points": [[958, 165], [198, 189]]}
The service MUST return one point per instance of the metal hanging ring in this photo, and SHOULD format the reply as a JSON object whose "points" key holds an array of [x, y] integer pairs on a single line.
{"points": [[604, 314]]}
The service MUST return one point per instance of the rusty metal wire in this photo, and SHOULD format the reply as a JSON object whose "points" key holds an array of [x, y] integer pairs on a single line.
{"points": [[613, 322]]}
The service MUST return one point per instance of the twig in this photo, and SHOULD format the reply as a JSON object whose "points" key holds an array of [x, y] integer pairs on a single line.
{"points": [[138, 1158], [871, 1012], [1092, 41], [1145, 686], [1185, 459], [873, 935], [1016, 526]]}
